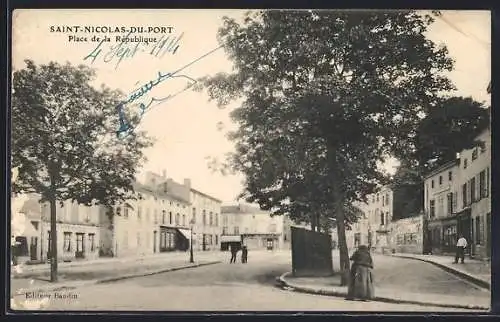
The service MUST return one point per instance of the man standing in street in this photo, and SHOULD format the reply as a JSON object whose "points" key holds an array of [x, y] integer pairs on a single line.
{"points": [[461, 246], [234, 252]]}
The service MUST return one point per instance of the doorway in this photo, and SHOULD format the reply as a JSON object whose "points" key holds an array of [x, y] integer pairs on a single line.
{"points": [[33, 248]]}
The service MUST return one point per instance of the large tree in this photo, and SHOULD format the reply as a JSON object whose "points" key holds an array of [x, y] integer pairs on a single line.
{"points": [[326, 96], [64, 140], [451, 126]]}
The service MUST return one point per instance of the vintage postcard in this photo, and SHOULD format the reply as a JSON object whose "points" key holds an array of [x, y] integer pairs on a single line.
{"points": [[251, 160]]}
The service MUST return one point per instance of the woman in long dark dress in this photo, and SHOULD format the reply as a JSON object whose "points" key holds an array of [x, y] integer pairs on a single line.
{"points": [[361, 281]]}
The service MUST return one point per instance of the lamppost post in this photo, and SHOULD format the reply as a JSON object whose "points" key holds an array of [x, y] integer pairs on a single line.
{"points": [[191, 258]]}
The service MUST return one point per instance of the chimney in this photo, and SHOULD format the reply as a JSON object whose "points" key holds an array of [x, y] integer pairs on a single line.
{"points": [[187, 183], [164, 174]]}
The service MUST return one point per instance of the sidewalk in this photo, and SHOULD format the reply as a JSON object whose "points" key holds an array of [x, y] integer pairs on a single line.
{"points": [[106, 271], [475, 271], [330, 286]]}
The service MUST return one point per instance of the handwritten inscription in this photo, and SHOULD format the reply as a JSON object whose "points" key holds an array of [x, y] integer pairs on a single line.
{"points": [[127, 47]]}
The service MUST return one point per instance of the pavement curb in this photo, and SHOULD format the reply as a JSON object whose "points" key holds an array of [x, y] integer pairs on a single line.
{"points": [[113, 279], [469, 277], [322, 291]]}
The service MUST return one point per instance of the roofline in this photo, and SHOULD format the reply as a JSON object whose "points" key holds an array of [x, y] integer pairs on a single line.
{"points": [[441, 168], [205, 195]]}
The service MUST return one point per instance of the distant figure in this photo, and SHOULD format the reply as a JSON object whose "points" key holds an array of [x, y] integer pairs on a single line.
{"points": [[361, 277], [244, 254], [460, 251], [234, 252]]}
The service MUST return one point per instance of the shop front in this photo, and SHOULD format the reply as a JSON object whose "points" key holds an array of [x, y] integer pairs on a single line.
{"points": [[229, 241], [442, 235]]}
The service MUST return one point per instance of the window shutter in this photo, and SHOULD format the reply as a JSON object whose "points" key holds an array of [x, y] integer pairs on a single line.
{"points": [[487, 193], [478, 188]]}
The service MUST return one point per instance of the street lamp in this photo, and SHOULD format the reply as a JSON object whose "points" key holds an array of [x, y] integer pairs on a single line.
{"points": [[191, 259]]}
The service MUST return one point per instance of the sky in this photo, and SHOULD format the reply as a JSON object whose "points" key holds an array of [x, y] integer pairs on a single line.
{"points": [[189, 130]]}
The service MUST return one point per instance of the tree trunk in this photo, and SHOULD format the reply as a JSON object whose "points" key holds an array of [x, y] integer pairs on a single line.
{"points": [[344, 253], [335, 183], [53, 240]]}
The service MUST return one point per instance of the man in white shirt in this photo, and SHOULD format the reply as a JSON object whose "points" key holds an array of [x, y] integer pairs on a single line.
{"points": [[461, 246]]}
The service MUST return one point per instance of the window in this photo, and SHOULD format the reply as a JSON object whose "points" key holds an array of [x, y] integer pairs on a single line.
{"points": [[79, 242], [210, 219], [440, 210], [387, 198], [204, 217], [450, 175], [432, 210], [464, 195], [472, 185], [383, 200], [125, 211], [454, 200], [163, 216], [216, 239], [478, 229], [440, 180], [170, 218], [482, 184], [225, 230], [465, 163], [236, 230], [177, 219], [432, 184], [183, 220], [382, 218], [92, 242], [139, 211], [377, 197], [67, 242], [474, 154], [449, 204], [217, 220], [155, 216], [194, 215]]}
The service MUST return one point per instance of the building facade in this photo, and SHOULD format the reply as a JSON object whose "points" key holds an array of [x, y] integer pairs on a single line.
{"points": [[457, 201], [206, 218], [161, 219], [441, 205], [78, 232], [254, 227], [373, 228], [474, 196], [407, 235]]}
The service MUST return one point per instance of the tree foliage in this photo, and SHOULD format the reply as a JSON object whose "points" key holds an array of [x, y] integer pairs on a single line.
{"points": [[449, 128], [64, 142], [62, 137], [326, 96]]}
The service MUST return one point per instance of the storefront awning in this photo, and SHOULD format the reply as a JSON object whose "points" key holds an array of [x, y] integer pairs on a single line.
{"points": [[185, 232], [230, 238]]}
